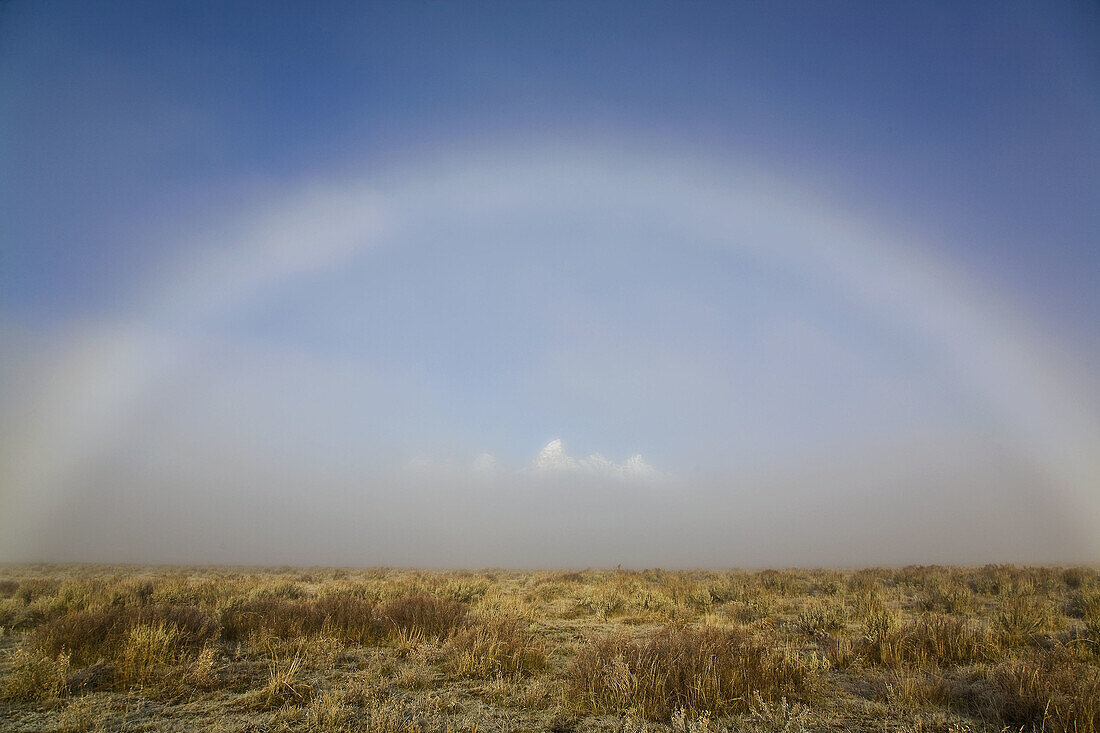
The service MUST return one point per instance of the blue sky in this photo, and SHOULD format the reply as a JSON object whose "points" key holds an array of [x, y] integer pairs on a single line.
{"points": [[977, 120], [746, 241]]}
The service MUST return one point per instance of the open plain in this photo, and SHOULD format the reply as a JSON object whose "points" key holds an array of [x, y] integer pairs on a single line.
{"points": [[93, 647]]}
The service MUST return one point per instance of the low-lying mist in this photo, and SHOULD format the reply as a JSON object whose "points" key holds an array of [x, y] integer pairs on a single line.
{"points": [[922, 506]]}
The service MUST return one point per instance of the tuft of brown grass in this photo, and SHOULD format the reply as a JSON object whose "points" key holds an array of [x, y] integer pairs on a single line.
{"points": [[947, 597], [284, 681], [932, 639], [881, 642], [1077, 577], [34, 589], [10, 611], [280, 590], [1020, 620], [203, 671], [816, 618], [503, 648], [35, 677], [90, 635], [81, 714], [1052, 691], [147, 649], [423, 615], [1084, 604], [346, 617], [910, 689], [948, 640], [697, 670]]}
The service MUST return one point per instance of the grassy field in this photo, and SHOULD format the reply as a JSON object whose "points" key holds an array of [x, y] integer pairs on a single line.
{"points": [[87, 647]]}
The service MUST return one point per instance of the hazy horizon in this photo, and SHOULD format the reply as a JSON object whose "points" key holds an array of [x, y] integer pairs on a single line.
{"points": [[537, 285]]}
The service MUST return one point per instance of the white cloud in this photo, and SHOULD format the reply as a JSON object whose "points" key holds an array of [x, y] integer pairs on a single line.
{"points": [[485, 464], [637, 467], [553, 459]]}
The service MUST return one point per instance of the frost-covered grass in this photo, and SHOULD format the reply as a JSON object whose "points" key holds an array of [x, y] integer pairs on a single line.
{"points": [[921, 648]]}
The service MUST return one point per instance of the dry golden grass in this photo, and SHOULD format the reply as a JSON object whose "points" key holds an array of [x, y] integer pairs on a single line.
{"points": [[88, 635], [502, 648], [691, 670], [1050, 689], [918, 648], [423, 615], [34, 677]]}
